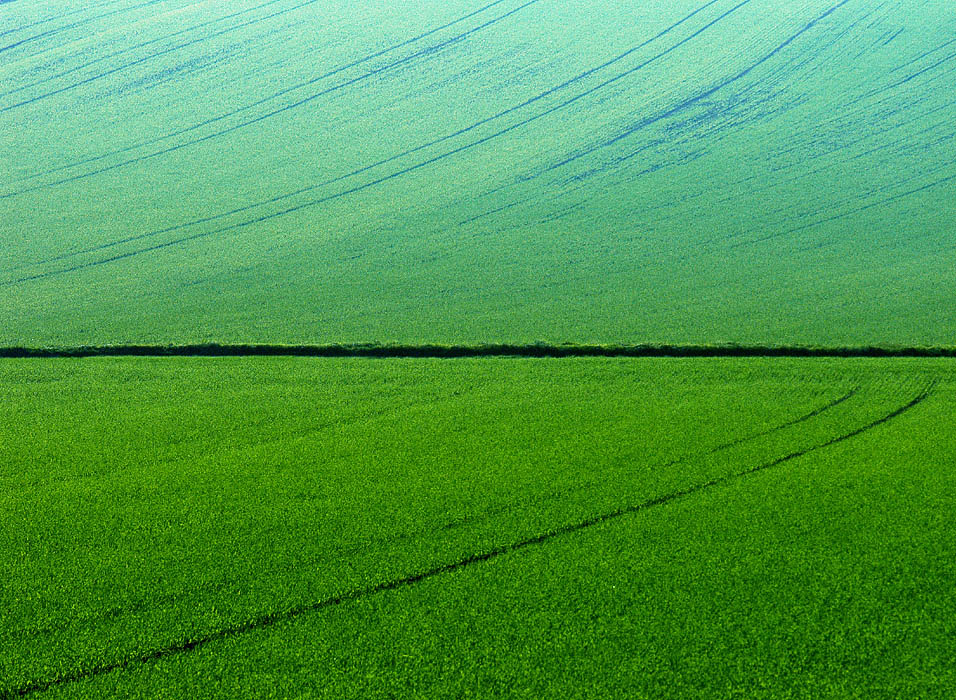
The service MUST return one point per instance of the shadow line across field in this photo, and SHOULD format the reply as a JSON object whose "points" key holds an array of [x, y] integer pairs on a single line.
{"points": [[274, 618]]}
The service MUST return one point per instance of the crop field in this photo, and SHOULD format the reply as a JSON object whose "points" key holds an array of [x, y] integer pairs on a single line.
{"points": [[477, 348], [300, 527], [680, 171]]}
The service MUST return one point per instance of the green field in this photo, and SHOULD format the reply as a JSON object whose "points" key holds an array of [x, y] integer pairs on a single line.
{"points": [[717, 189], [293, 527], [674, 171]]}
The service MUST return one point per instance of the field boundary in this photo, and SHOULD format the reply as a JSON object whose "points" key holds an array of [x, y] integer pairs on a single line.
{"points": [[439, 351]]}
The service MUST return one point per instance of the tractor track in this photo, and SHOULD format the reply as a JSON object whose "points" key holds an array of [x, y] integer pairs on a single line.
{"points": [[118, 611], [271, 619]]}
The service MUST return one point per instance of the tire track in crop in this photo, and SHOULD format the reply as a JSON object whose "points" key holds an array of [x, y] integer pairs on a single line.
{"points": [[118, 611], [144, 59], [827, 153], [698, 98], [892, 36], [405, 153], [641, 125], [214, 587], [840, 123], [903, 81], [74, 25], [484, 515], [271, 619], [427, 51], [356, 172], [268, 620], [924, 54], [830, 165], [55, 17], [284, 91], [836, 217], [928, 184], [918, 183], [382, 179], [789, 424], [186, 30], [777, 80]]}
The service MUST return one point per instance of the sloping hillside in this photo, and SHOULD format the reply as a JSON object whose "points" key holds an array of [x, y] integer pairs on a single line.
{"points": [[756, 171]]}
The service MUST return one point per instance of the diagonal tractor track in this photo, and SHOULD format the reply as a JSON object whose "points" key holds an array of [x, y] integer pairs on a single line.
{"points": [[115, 612], [271, 619]]}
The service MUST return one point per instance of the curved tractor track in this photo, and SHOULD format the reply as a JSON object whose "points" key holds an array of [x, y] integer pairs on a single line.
{"points": [[267, 620]]}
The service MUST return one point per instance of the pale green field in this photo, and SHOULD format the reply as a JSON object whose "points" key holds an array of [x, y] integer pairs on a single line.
{"points": [[297, 171], [474, 528]]}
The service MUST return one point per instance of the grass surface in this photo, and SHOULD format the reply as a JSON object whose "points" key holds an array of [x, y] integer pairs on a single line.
{"points": [[298, 527], [709, 173], [679, 171]]}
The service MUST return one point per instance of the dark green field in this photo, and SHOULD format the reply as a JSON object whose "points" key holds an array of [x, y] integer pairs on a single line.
{"points": [[409, 181], [453, 528]]}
